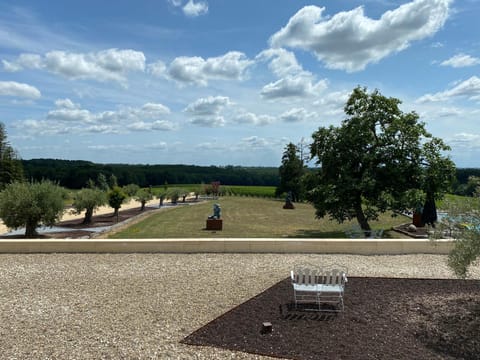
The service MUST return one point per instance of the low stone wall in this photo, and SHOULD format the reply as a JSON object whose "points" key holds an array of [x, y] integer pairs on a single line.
{"points": [[321, 246]]}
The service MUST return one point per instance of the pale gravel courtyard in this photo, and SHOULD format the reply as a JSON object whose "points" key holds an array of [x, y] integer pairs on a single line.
{"points": [[140, 306]]}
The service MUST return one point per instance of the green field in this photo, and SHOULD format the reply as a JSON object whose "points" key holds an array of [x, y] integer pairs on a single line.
{"points": [[245, 217]]}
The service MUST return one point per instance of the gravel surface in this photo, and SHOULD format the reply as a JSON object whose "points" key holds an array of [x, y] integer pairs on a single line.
{"points": [[139, 306]]}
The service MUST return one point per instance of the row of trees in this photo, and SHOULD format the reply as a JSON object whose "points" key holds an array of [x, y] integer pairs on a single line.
{"points": [[74, 174]]}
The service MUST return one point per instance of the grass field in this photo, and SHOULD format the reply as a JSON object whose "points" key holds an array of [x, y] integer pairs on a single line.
{"points": [[245, 217]]}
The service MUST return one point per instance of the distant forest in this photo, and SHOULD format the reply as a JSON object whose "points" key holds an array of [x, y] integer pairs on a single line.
{"points": [[74, 174]]}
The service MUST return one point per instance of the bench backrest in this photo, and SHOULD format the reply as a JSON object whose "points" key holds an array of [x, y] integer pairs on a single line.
{"points": [[307, 275]]}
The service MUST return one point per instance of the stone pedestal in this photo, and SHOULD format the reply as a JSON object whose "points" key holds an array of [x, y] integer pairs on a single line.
{"points": [[417, 220], [214, 224]]}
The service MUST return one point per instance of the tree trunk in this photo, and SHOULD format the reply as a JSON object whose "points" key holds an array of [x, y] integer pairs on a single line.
{"points": [[88, 216], [143, 206], [116, 213], [30, 230], [362, 220]]}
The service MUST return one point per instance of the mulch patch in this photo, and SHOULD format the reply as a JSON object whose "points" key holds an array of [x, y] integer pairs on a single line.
{"points": [[384, 318], [104, 219]]}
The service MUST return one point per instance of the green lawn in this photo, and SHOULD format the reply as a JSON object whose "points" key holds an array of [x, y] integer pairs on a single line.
{"points": [[246, 218]]}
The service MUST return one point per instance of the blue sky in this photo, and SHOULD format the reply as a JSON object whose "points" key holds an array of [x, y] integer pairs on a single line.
{"points": [[217, 82]]}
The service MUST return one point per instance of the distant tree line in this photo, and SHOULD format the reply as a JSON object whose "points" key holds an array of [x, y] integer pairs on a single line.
{"points": [[74, 174]]}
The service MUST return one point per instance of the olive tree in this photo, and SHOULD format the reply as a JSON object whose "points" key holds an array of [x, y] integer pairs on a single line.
{"points": [[142, 196], [116, 197], [29, 205], [88, 200], [374, 158], [461, 222]]}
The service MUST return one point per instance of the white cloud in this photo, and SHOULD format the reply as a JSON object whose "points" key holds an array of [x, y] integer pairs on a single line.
{"points": [[350, 41], [296, 115], [194, 9], [13, 88], [198, 71], [282, 62], [157, 68], [69, 117], [465, 141], [211, 105], [206, 111], [155, 109], [210, 121], [249, 118], [161, 125], [294, 86], [106, 65], [461, 60], [469, 89], [254, 142]]}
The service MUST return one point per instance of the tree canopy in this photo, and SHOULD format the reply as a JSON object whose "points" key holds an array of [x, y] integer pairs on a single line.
{"points": [[31, 204], [374, 160], [10, 164], [88, 199], [291, 172]]}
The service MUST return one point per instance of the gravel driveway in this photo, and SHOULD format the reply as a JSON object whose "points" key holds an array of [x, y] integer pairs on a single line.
{"points": [[139, 306]]}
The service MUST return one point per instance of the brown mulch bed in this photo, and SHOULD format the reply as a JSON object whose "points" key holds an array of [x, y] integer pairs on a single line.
{"points": [[384, 318], [105, 219]]}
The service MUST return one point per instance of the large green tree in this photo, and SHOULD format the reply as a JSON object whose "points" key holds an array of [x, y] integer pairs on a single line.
{"points": [[88, 200], [31, 204], [291, 172], [374, 160], [10, 165]]}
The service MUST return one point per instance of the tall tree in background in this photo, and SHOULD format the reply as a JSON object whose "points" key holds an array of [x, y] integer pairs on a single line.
{"points": [[10, 165], [291, 172], [373, 159]]}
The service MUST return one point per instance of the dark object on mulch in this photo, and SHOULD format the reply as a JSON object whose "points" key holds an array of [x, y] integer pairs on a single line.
{"points": [[384, 318]]}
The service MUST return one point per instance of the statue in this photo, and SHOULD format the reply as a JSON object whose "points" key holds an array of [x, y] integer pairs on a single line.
{"points": [[217, 212], [288, 201]]}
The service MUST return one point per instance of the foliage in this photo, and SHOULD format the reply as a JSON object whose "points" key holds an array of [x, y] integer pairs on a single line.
{"points": [[291, 172], [461, 222], [102, 182], [88, 200], [131, 189], [74, 174], [10, 164], [31, 204], [175, 193], [143, 195], [370, 162], [116, 197]]}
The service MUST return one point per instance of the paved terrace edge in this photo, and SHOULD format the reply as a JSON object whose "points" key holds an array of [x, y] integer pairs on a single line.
{"points": [[224, 245]]}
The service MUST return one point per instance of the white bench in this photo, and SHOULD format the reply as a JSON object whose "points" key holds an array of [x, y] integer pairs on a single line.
{"points": [[315, 285]]}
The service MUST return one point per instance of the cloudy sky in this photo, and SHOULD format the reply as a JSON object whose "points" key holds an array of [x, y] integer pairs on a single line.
{"points": [[216, 82]]}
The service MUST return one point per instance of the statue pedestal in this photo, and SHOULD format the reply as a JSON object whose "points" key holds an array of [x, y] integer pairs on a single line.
{"points": [[289, 206], [214, 224]]}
